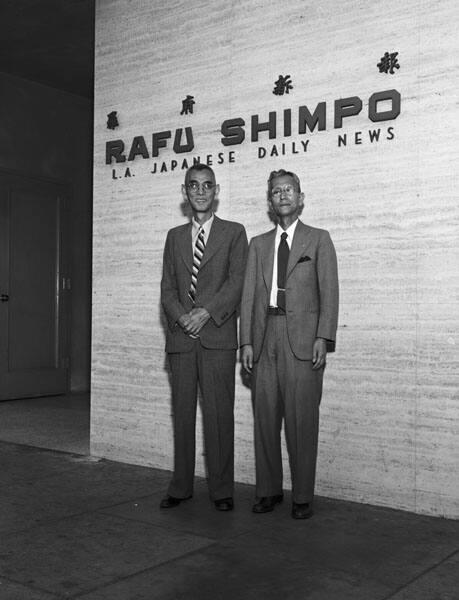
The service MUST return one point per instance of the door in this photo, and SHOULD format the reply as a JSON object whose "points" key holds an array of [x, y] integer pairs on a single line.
{"points": [[34, 288]]}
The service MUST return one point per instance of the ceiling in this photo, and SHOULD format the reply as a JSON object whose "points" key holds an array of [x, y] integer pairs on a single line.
{"points": [[49, 41]]}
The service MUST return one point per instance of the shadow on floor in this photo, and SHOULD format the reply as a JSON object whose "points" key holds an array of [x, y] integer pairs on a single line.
{"points": [[77, 527]]}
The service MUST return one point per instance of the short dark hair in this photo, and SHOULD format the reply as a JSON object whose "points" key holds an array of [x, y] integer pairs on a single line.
{"points": [[198, 167], [280, 173]]}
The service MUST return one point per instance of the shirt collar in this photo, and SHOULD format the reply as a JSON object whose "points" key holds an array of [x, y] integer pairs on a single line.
{"points": [[289, 231], [206, 226]]}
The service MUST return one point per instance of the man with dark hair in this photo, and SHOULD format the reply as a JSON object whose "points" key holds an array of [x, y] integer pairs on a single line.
{"points": [[203, 270], [289, 314]]}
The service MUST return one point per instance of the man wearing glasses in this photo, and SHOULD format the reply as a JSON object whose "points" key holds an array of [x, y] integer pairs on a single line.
{"points": [[203, 270], [289, 314]]}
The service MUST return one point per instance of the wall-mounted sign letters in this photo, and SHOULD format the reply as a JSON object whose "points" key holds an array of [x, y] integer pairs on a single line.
{"points": [[112, 120], [283, 85], [388, 63], [380, 107], [187, 105]]}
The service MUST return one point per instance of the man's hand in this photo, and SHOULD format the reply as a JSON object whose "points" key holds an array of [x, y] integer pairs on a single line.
{"points": [[198, 317], [184, 321], [247, 357], [319, 353]]}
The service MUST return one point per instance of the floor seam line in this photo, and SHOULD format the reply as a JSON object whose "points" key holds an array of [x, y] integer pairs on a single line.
{"points": [[34, 588], [420, 575], [166, 527], [178, 529], [142, 571], [46, 522]]}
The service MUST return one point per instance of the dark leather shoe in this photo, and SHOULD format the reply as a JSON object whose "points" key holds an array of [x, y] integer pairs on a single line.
{"points": [[171, 501], [224, 504], [301, 511], [267, 503]]}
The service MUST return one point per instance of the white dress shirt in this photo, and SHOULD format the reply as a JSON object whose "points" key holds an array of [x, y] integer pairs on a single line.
{"points": [[279, 231], [195, 227]]}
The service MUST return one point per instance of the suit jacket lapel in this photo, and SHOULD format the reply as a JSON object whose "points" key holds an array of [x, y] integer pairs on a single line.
{"points": [[267, 259], [299, 245], [185, 246], [213, 241]]}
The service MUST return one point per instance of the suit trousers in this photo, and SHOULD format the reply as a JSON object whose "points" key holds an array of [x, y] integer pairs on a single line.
{"points": [[288, 389], [213, 371]]}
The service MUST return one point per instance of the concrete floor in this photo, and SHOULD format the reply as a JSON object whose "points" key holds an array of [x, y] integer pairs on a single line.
{"points": [[55, 422], [76, 527]]}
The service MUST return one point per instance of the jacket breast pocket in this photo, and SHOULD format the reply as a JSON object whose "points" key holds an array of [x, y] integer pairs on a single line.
{"points": [[303, 259], [304, 271]]}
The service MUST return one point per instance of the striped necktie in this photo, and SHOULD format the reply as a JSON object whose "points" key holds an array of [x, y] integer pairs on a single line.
{"points": [[199, 247]]}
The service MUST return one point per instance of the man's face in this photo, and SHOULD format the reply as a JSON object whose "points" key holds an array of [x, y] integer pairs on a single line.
{"points": [[285, 199], [200, 191]]}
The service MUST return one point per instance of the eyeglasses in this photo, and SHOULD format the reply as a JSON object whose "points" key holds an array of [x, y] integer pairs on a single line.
{"points": [[206, 187], [287, 189]]}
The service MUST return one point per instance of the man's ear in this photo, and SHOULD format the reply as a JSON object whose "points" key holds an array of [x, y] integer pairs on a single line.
{"points": [[217, 191], [302, 198], [184, 193]]}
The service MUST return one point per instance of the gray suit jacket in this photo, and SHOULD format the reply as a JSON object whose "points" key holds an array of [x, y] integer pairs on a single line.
{"points": [[218, 289], [311, 294]]}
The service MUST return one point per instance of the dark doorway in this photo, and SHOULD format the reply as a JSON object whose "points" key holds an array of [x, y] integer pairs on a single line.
{"points": [[46, 95], [35, 288]]}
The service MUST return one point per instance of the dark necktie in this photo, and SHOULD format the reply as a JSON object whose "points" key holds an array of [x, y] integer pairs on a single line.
{"points": [[282, 260]]}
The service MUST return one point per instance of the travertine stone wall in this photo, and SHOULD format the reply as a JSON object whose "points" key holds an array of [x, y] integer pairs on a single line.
{"points": [[390, 409]]}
